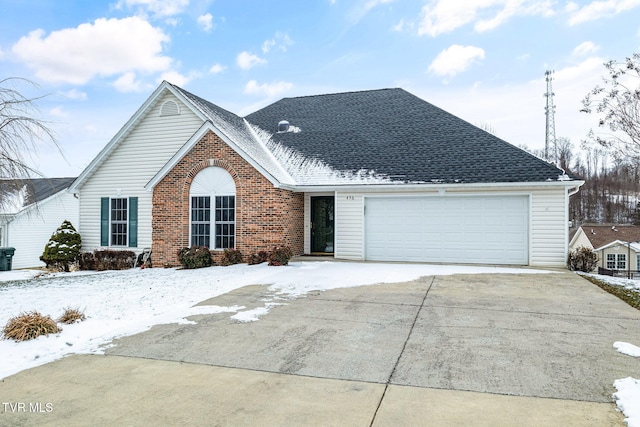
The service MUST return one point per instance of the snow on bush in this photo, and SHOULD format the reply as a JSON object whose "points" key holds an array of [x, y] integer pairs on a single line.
{"points": [[63, 247]]}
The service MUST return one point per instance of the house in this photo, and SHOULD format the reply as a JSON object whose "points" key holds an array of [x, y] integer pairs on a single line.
{"points": [[32, 213], [617, 246], [373, 175]]}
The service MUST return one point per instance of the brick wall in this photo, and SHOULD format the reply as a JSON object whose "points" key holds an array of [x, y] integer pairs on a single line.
{"points": [[265, 216]]}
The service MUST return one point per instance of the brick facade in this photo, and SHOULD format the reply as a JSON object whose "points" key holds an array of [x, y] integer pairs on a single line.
{"points": [[265, 216]]}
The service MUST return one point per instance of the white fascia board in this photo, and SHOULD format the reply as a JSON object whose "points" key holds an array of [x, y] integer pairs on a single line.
{"points": [[577, 234], [124, 131], [614, 243], [434, 187], [197, 136]]}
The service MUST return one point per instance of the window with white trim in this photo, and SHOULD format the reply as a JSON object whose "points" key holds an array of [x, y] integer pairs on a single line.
{"points": [[621, 263], [616, 261], [638, 262], [119, 222], [213, 209]]}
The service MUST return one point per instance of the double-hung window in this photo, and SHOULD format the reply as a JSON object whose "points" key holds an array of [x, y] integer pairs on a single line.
{"points": [[215, 231], [617, 261], [119, 221]]}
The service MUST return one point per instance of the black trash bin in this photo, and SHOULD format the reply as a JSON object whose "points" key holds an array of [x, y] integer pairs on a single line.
{"points": [[6, 258]]}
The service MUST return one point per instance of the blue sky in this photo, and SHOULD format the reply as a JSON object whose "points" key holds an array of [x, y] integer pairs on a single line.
{"points": [[483, 60]]}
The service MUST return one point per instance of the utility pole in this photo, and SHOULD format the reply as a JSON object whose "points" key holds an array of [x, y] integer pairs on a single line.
{"points": [[550, 146]]}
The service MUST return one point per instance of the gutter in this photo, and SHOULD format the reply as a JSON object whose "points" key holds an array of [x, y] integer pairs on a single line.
{"points": [[574, 186]]}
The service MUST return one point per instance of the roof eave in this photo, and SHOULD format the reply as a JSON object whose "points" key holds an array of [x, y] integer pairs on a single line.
{"points": [[197, 136], [431, 186], [129, 125]]}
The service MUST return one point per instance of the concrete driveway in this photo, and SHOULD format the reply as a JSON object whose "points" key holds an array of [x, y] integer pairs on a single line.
{"points": [[532, 349]]}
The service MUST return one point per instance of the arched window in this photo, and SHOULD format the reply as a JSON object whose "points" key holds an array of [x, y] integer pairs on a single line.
{"points": [[213, 209]]}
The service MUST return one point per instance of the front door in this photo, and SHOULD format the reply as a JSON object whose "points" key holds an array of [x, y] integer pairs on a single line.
{"points": [[322, 224]]}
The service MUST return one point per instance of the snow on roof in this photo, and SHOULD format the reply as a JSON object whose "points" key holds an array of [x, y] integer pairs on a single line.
{"points": [[312, 171]]}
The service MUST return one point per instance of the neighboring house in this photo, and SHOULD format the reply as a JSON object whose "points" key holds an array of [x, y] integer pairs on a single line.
{"points": [[32, 213], [617, 246], [374, 175]]}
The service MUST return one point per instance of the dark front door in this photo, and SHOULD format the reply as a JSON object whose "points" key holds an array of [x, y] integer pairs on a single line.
{"points": [[322, 224]]}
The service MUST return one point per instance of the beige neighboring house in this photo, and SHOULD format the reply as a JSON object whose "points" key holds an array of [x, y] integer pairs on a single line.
{"points": [[617, 246]]}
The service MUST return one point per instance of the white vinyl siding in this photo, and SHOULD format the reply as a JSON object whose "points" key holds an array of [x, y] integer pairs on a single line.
{"points": [[349, 226], [30, 230], [549, 227], [130, 166]]}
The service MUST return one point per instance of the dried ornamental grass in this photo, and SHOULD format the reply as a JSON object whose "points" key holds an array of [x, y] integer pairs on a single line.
{"points": [[28, 326], [71, 315]]}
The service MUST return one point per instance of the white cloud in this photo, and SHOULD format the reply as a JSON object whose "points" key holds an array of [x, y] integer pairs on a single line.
{"points": [[443, 16], [270, 89], [217, 68], [158, 7], [600, 9], [58, 112], [455, 59], [281, 40], [178, 79], [172, 22], [205, 22], [105, 48], [246, 60], [128, 83], [74, 94], [585, 48]]}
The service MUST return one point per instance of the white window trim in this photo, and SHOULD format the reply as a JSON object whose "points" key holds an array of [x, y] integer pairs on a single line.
{"points": [[126, 236], [212, 219]]}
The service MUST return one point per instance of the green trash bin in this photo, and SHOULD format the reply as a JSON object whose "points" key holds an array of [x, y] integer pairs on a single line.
{"points": [[6, 258]]}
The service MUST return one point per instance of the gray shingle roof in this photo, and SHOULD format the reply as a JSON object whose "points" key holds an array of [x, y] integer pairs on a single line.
{"points": [[237, 129], [36, 189], [400, 136]]}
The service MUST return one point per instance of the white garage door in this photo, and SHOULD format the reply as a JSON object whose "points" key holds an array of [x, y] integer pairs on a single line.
{"points": [[468, 230]]}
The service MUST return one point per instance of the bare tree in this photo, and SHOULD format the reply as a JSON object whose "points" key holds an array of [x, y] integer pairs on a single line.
{"points": [[565, 153], [20, 131], [618, 106]]}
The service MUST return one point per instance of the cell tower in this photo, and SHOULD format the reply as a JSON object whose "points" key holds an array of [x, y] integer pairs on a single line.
{"points": [[550, 146]]}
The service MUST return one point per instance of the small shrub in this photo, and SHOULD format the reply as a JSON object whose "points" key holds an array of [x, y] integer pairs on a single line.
{"points": [[258, 258], [63, 247], [86, 261], [71, 315], [195, 257], [231, 257], [108, 259], [582, 259], [280, 255], [28, 326]]}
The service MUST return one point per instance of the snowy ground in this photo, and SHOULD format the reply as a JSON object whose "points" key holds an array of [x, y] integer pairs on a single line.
{"points": [[120, 303]]}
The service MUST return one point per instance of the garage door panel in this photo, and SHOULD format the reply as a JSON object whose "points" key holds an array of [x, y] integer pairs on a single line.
{"points": [[483, 230]]}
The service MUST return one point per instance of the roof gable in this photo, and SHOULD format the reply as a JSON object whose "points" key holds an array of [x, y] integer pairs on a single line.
{"points": [[397, 135], [602, 235]]}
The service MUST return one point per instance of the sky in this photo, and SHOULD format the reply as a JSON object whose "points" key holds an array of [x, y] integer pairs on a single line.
{"points": [[96, 62]]}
